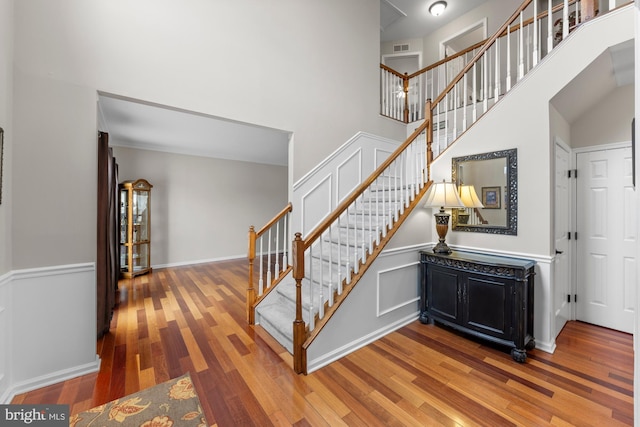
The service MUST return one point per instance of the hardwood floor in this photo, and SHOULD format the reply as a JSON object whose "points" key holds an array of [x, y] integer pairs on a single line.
{"points": [[192, 319]]}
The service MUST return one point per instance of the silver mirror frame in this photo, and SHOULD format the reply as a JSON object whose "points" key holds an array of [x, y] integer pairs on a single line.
{"points": [[512, 183]]}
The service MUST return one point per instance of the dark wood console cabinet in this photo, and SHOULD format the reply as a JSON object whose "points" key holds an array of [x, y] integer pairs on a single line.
{"points": [[487, 296]]}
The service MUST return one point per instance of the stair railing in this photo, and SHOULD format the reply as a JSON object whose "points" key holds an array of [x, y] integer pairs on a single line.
{"points": [[343, 246], [504, 60], [489, 69], [273, 248]]}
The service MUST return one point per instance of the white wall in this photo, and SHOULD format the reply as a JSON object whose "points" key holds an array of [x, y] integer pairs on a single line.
{"points": [[608, 122], [201, 207]]}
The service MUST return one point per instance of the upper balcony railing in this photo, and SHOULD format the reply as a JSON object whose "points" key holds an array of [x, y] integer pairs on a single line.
{"points": [[465, 85]]}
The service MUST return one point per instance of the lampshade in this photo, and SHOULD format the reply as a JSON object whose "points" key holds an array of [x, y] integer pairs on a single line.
{"points": [[469, 197], [437, 8], [444, 195]]}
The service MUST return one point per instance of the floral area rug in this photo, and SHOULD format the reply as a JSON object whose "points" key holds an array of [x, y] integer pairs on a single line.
{"points": [[170, 404]]}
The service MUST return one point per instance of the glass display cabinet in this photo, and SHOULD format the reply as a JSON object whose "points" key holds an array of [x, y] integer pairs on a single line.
{"points": [[135, 228]]}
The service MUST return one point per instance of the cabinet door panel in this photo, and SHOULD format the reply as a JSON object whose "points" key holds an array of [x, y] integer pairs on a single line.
{"points": [[488, 306], [443, 293]]}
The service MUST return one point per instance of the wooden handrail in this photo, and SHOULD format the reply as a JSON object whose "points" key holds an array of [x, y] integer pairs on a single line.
{"points": [[324, 225], [251, 255], [275, 219], [482, 51], [472, 47]]}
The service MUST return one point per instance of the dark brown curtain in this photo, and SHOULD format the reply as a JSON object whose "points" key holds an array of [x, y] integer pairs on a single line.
{"points": [[108, 262]]}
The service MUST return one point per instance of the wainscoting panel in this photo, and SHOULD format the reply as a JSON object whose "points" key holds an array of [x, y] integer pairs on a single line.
{"points": [[397, 287], [53, 325], [5, 347], [385, 299], [349, 175], [316, 204], [347, 166]]}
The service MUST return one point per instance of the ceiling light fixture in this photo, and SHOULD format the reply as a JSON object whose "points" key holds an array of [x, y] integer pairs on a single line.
{"points": [[437, 8]]}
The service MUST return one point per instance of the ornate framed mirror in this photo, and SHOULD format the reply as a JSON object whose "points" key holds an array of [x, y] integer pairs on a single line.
{"points": [[493, 180]]}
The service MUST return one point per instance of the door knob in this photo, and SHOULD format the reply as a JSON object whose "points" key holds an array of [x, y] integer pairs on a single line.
{"points": [[558, 252]]}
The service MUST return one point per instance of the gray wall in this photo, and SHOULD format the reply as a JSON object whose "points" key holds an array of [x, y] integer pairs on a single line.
{"points": [[6, 81], [201, 207], [288, 72]]}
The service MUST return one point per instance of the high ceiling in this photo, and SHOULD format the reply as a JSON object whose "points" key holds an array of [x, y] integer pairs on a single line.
{"points": [[406, 19], [137, 124]]}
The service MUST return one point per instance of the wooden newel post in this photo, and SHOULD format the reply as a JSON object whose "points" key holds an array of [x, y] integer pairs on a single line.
{"points": [[429, 130], [299, 355], [251, 292]]}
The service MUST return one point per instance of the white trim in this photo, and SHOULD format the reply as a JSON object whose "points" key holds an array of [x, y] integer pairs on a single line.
{"points": [[482, 23], [55, 270], [602, 147], [402, 55], [380, 313], [338, 151], [48, 379]]}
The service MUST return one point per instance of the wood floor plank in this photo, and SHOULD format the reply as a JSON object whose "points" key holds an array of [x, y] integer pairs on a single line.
{"points": [[192, 319]]}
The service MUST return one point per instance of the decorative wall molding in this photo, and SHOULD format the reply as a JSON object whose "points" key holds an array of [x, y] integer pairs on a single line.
{"points": [[46, 310]]}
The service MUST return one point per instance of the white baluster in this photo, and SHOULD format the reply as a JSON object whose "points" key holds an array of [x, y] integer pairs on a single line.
{"points": [[311, 320], [464, 102], [485, 83], [330, 295], [378, 231], [521, 50], [508, 80], [261, 280], [497, 71], [348, 255], [363, 233], [285, 258], [339, 284], [550, 27], [475, 94], [398, 196], [277, 267], [455, 112], [565, 20], [535, 33], [269, 274]]}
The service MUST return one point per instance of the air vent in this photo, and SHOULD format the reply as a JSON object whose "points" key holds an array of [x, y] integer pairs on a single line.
{"points": [[400, 47]]}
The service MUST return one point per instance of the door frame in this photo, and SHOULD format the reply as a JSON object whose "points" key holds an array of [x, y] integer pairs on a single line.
{"points": [[571, 225]]}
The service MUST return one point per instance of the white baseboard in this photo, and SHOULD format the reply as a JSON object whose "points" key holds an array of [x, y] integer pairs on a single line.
{"points": [[200, 261], [52, 378]]}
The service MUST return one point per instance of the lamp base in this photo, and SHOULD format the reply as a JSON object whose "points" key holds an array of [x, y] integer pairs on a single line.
{"points": [[441, 248], [442, 226]]}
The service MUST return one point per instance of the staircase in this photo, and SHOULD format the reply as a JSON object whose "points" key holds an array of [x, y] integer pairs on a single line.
{"points": [[328, 263], [356, 234]]}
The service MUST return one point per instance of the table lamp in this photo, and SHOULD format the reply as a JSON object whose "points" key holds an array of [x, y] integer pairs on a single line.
{"points": [[444, 195], [470, 200]]}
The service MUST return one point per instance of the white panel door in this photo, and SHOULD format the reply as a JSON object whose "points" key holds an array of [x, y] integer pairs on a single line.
{"points": [[606, 224], [561, 262]]}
